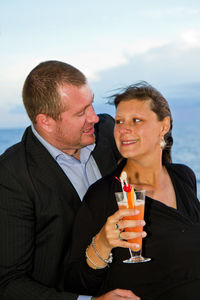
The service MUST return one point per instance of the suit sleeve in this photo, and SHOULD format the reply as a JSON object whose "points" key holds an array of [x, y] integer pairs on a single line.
{"points": [[17, 232]]}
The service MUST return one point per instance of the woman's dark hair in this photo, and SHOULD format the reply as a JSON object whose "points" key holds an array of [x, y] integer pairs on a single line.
{"points": [[143, 91]]}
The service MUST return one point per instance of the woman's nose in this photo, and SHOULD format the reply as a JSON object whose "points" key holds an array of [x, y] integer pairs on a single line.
{"points": [[125, 128]]}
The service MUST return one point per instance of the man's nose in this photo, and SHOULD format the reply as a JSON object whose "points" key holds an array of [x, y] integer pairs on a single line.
{"points": [[91, 116]]}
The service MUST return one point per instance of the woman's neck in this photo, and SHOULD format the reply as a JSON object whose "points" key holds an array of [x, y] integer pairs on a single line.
{"points": [[153, 178], [146, 176]]}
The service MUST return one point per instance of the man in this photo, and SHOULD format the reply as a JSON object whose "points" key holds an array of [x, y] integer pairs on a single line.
{"points": [[43, 179]]}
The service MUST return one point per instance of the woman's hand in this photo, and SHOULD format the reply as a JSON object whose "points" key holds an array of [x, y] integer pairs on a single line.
{"points": [[119, 294], [112, 235]]}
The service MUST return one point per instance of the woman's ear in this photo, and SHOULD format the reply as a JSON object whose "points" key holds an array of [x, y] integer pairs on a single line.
{"points": [[166, 124]]}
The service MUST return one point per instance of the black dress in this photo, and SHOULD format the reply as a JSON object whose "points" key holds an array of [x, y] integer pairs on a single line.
{"points": [[172, 242]]}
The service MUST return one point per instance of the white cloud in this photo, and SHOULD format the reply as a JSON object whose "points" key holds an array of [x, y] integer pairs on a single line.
{"points": [[190, 38], [91, 63], [179, 11], [156, 60]]}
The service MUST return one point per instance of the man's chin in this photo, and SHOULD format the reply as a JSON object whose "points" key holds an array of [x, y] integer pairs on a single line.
{"points": [[90, 139]]}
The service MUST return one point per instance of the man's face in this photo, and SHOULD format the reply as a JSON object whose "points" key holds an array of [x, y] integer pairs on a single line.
{"points": [[75, 128]]}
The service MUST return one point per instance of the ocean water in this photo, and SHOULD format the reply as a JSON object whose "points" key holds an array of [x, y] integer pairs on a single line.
{"points": [[186, 148]]}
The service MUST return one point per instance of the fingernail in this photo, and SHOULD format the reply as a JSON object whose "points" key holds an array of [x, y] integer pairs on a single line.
{"points": [[144, 234], [143, 222]]}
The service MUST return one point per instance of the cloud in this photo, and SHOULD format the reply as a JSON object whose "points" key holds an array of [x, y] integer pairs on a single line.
{"points": [[173, 66], [168, 63], [190, 38], [175, 12]]}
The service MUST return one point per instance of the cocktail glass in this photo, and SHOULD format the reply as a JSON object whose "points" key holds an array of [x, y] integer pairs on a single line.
{"points": [[139, 204]]}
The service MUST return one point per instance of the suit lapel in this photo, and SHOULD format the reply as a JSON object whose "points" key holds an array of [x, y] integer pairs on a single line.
{"points": [[45, 169]]}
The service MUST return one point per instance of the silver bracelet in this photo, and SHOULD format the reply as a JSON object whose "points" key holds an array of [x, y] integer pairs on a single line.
{"points": [[107, 261], [97, 267]]}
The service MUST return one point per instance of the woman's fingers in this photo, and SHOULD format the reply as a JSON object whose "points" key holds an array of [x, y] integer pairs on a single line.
{"points": [[122, 239], [130, 223], [126, 212], [116, 221], [132, 235], [113, 234]]}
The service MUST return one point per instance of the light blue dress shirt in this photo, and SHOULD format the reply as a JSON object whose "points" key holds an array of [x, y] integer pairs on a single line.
{"points": [[81, 173]]}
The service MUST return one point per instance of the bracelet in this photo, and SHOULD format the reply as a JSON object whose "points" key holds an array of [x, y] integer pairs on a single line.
{"points": [[107, 261], [97, 267]]}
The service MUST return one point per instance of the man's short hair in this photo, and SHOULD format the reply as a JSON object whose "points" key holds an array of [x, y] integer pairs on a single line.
{"points": [[40, 90]]}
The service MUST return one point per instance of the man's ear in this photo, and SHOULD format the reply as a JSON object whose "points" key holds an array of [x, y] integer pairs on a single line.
{"points": [[45, 122], [165, 125]]}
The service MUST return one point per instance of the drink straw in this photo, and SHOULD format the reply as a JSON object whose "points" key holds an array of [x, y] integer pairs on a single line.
{"points": [[123, 179], [127, 190], [131, 198]]}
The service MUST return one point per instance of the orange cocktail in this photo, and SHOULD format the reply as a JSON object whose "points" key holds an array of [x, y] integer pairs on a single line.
{"points": [[139, 205], [133, 199]]}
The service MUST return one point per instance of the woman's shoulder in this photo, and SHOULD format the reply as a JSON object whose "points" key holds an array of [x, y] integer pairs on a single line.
{"points": [[184, 172], [178, 167]]}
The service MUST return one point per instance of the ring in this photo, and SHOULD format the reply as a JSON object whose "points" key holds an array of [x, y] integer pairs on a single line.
{"points": [[116, 226], [120, 237]]}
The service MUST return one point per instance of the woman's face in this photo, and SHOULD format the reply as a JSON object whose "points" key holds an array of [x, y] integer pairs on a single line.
{"points": [[137, 130]]}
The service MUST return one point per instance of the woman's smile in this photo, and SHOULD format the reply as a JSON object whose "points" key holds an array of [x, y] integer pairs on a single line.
{"points": [[128, 142]]}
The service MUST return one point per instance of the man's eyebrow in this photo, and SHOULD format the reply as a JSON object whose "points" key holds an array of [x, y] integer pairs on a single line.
{"points": [[84, 108]]}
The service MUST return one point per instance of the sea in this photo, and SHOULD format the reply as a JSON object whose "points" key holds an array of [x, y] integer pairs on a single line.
{"points": [[186, 147]]}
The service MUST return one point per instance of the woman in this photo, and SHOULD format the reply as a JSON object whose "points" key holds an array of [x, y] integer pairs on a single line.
{"points": [[172, 213]]}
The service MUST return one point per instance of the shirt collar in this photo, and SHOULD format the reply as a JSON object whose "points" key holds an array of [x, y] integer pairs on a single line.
{"points": [[55, 152]]}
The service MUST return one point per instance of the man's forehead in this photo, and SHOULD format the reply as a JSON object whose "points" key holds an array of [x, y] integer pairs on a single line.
{"points": [[69, 89], [75, 97]]}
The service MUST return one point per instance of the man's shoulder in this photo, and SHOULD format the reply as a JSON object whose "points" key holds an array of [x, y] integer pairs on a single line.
{"points": [[12, 153], [106, 122], [16, 155], [105, 117], [104, 128]]}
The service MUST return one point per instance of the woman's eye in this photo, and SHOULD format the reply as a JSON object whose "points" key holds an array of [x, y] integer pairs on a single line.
{"points": [[118, 122]]}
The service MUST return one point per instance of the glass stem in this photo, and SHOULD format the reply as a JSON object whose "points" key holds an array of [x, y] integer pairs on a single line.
{"points": [[131, 254]]}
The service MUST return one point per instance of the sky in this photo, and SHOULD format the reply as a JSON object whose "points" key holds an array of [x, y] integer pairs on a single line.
{"points": [[113, 42]]}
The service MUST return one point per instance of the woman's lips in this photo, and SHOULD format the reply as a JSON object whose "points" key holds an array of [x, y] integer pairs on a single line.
{"points": [[128, 142]]}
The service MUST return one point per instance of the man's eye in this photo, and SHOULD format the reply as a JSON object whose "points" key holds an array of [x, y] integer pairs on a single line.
{"points": [[136, 120], [81, 113]]}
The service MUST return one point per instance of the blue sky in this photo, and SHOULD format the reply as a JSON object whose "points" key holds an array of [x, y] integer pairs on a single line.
{"points": [[114, 42]]}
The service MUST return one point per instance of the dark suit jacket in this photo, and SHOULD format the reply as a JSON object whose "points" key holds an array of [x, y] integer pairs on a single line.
{"points": [[37, 208]]}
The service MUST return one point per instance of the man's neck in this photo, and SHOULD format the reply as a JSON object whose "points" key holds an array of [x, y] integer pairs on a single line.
{"points": [[76, 154]]}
